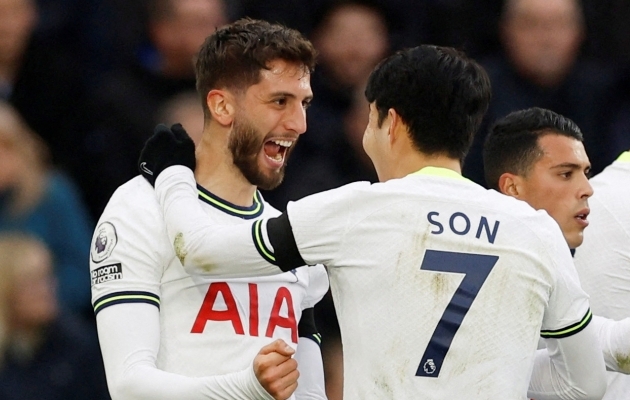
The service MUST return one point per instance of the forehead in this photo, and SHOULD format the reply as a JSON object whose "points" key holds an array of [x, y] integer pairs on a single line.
{"points": [[283, 76], [543, 7], [559, 149]]}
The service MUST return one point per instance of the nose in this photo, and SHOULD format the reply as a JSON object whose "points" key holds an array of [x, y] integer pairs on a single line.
{"points": [[586, 189], [295, 120]]}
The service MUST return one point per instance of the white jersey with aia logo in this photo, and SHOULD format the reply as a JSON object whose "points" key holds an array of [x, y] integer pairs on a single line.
{"points": [[208, 326]]}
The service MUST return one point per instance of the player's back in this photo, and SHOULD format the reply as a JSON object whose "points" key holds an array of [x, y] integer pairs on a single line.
{"points": [[442, 287]]}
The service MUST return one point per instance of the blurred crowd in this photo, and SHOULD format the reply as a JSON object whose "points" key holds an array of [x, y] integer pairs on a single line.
{"points": [[83, 82]]}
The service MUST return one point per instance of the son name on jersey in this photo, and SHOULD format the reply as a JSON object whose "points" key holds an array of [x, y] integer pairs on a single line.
{"points": [[461, 224]]}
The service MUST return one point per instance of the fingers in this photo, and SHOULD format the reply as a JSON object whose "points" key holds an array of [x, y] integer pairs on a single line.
{"points": [[180, 133], [279, 346], [160, 128], [276, 370]]}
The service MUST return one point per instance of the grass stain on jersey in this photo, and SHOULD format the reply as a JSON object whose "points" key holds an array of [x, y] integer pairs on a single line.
{"points": [[623, 360], [180, 250]]}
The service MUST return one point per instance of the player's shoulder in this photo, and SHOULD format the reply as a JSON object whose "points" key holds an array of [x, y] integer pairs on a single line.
{"points": [[134, 203]]}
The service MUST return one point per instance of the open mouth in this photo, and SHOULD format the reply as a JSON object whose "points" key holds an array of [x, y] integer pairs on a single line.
{"points": [[582, 216], [276, 150]]}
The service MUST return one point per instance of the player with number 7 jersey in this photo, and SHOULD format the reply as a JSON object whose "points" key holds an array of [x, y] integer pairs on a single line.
{"points": [[442, 288], [435, 297]]}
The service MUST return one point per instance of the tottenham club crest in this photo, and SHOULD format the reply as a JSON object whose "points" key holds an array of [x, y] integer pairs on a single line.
{"points": [[105, 240]]}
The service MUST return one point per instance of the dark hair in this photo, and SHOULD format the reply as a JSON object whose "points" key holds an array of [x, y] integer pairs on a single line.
{"points": [[512, 143], [439, 93], [234, 55]]}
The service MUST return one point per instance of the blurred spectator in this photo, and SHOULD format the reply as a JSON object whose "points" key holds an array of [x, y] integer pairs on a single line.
{"points": [[184, 108], [541, 67], [351, 37], [620, 121], [47, 355], [609, 30], [129, 98], [39, 78], [44, 202]]}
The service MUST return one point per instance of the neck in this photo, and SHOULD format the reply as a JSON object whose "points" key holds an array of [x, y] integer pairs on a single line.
{"points": [[414, 161], [217, 173]]}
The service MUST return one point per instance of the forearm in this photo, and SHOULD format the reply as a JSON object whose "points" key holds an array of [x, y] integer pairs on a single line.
{"points": [[569, 368], [129, 339], [614, 339], [204, 248]]}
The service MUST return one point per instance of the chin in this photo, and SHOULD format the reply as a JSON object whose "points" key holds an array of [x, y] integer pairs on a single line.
{"points": [[575, 242]]}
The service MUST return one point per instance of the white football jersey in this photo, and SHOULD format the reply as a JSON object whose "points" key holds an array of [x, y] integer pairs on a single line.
{"points": [[603, 260], [208, 326], [442, 288]]}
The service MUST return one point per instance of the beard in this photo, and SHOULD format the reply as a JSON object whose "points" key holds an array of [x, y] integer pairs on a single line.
{"points": [[245, 143]]}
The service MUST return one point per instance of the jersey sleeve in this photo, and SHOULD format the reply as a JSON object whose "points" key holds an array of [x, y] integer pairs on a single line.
{"points": [[125, 261], [319, 222], [569, 368], [614, 340], [568, 309], [317, 286], [203, 247], [129, 336]]}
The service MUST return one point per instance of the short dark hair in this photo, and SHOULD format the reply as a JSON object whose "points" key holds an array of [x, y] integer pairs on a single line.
{"points": [[234, 55], [439, 93], [512, 143]]}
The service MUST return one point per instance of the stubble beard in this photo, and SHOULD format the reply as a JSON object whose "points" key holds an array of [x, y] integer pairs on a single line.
{"points": [[245, 144]]}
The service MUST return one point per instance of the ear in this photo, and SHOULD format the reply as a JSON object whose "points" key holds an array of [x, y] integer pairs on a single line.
{"points": [[510, 184], [221, 106], [394, 126]]}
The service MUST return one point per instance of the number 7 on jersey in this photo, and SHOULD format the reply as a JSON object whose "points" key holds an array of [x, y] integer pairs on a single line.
{"points": [[476, 268]]}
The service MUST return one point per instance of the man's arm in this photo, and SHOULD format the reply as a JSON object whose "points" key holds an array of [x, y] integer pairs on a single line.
{"points": [[129, 339], [311, 384], [569, 368], [614, 340], [202, 247]]}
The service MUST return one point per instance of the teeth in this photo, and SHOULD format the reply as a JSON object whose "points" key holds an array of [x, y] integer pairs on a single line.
{"points": [[283, 143]]}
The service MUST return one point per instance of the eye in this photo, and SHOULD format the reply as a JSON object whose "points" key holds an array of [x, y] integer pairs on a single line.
{"points": [[588, 172], [282, 101], [566, 174], [306, 104]]}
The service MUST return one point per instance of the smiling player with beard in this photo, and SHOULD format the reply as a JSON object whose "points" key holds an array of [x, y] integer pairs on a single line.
{"points": [[165, 334]]}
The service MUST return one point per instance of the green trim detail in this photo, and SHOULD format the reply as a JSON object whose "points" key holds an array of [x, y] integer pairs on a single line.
{"points": [[441, 172], [570, 330], [624, 157], [266, 253], [230, 209]]}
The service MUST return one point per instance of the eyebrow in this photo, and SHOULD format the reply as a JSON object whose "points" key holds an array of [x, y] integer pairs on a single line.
{"points": [[571, 166], [287, 94]]}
